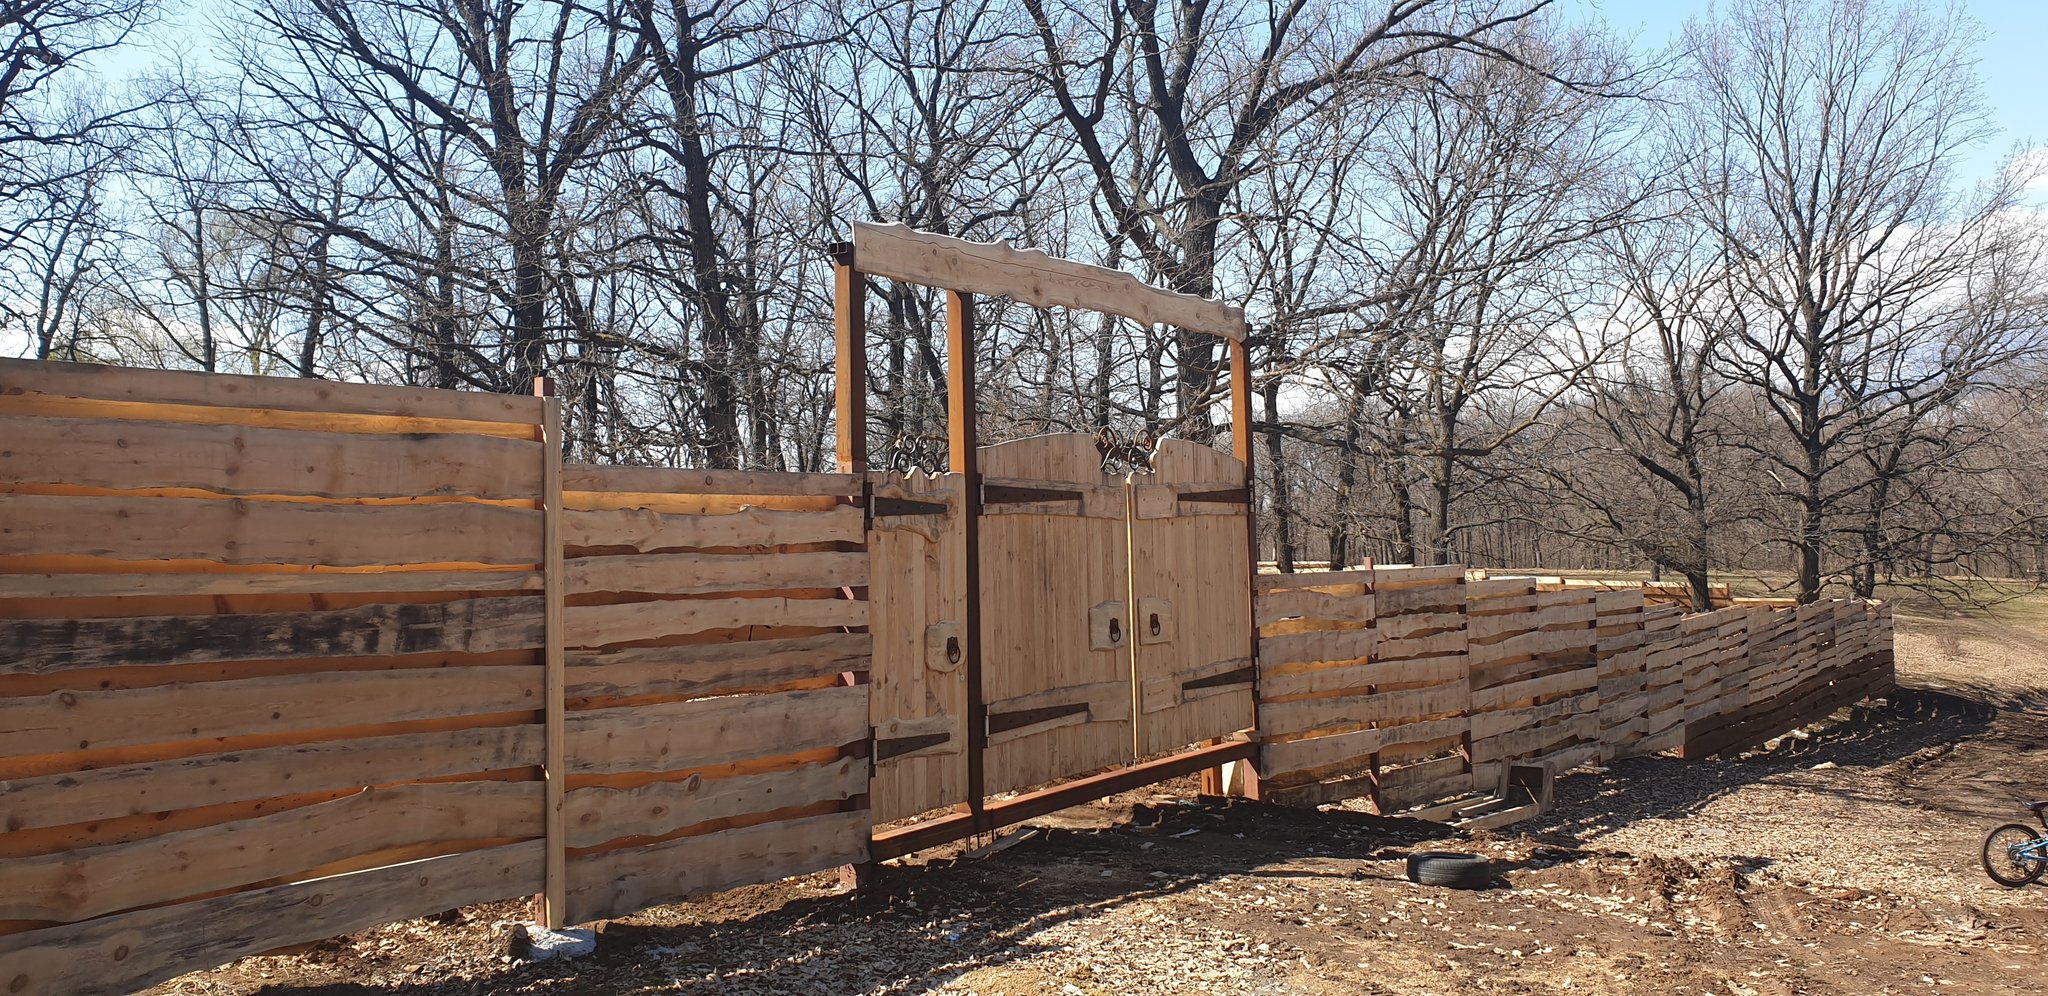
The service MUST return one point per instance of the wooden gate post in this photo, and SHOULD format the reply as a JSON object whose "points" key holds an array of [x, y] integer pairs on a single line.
{"points": [[554, 901], [1241, 445], [850, 374], [961, 458]]}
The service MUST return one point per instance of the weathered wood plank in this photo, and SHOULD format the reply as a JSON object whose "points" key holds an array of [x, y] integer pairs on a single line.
{"points": [[240, 776], [1310, 579], [1032, 277], [678, 736], [1576, 680], [1318, 646], [1385, 707], [714, 668], [597, 815], [94, 881], [1331, 679], [1276, 605], [93, 718], [614, 883], [128, 952], [294, 582], [648, 531], [182, 387], [241, 531], [1495, 723], [249, 460], [628, 622], [667, 480], [466, 626], [706, 573]]}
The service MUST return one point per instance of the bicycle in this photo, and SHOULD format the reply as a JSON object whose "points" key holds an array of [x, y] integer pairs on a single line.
{"points": [[2016, 854]]}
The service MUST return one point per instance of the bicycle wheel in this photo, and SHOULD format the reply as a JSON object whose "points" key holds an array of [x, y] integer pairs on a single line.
{"points": [[2004, 863]]}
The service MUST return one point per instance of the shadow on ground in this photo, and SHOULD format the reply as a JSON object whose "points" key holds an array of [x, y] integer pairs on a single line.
{"points": [[920, 926]]}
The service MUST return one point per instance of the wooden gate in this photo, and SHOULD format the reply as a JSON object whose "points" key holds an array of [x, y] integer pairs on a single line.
{"points": [[1055, 620], [1115, 617], [1036, 618], [1191, 572]]}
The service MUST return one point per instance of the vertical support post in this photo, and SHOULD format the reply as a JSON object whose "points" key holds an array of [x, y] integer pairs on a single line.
{"points": [[850, 347], [553, 902], [850, 396], [1241, 447], [963, 458]]}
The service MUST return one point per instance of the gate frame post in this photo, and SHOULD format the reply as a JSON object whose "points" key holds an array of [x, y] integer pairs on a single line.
{"points": [[850, 406], [963, 458], [1215, 781]]}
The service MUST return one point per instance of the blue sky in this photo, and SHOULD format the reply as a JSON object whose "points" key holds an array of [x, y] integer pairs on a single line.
{"points": [[2010, 61]]}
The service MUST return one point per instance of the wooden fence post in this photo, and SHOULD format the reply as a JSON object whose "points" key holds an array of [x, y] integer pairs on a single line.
{"points": [[554, 901]]}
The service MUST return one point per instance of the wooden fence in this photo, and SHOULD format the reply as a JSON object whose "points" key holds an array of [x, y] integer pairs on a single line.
{"points": [[1413, 685], [281, 660], [284, 659]]}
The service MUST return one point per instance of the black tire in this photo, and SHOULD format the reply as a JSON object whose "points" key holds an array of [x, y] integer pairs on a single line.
{"points": [[1450, 869], [1999, 862]]}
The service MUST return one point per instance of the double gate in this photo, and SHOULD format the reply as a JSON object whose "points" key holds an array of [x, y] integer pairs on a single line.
{"points": [[1115, 618]]}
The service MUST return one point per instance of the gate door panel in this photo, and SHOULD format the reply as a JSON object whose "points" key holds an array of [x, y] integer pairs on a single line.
{"points": [[1191, 591], [1056, 634], [917, 593]]}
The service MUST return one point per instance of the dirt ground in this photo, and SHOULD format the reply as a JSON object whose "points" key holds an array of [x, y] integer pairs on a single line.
{"points": [[1844, 861]]}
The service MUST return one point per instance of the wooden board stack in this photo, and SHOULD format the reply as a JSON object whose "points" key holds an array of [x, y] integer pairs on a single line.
{"points": [[1663, 682], [273, 665], [1535, 687], [716, 724], [1362, 684]]}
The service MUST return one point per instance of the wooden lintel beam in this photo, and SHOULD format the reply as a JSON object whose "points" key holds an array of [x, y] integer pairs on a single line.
{"points": [[900, 252]]}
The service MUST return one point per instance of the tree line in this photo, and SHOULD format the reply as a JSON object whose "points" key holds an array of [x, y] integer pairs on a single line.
{"points": [[1521, 295]]}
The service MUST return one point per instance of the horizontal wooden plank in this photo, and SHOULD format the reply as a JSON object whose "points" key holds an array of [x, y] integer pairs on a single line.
{"points": [[648, 531], [1433, 646], [181, 387], [128, 952], [1276, 605], [94, 881], [1423, 732], [705, 573], [678, 736], [1330, 679], [1496, 722], [94, 718], [1312, 579], [1408, 575], [606, 625], [464, 626], [1385, 707], [714, 668], [294, 582], [1576, 680], [1285, 762], [1526, 741], [615, 883], [668, 480], [1423, 598], [240, 531], [1416, 624], [1031, 277], [1317, 646], [240, 776], [597, 815], [249, 460]]}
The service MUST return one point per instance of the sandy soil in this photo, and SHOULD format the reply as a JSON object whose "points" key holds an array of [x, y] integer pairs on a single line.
{"points": [[1844, 861]]}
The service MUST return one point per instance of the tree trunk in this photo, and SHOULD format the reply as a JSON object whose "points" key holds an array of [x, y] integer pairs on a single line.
{"points": [[1283, 510]]}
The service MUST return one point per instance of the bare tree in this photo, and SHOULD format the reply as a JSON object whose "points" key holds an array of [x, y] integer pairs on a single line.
{"points": [[1833, 132]]}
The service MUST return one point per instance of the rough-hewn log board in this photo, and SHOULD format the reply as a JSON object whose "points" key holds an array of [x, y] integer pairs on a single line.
{"points": [[900, 252]]}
